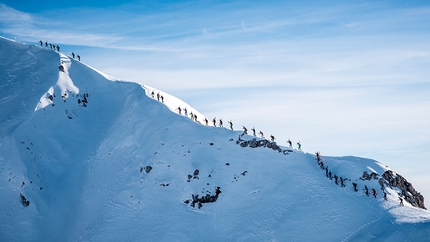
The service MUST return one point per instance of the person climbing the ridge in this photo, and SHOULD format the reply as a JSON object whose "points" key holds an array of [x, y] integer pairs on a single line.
{"points": [[355, 186], [152, 94], [272, 138], [299, 146], [231, 124], [41, 43], [206, 121], [46, 44], [158, 96], [401, 201], [179, 110], [374, 192], [162, 98], [79, 58], [214, 121], [261, 134], [245, 130], [290, 143], [253, 131], [73, 55], [220, 123], [366, 190], [342, 182], [186, 111]]}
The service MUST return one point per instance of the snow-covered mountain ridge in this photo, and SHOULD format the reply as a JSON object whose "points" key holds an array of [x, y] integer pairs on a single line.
{"points": [[101, 160]]}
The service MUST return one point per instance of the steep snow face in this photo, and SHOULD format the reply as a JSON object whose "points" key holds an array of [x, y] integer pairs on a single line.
{"points": [[101, 160]]}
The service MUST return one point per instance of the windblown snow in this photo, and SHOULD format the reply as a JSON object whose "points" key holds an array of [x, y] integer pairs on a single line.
{"points": [[84, 157]]}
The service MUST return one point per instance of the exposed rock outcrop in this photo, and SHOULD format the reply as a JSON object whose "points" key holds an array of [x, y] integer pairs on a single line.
{"points": [[208, 198], [254, 143], [408, 191]]}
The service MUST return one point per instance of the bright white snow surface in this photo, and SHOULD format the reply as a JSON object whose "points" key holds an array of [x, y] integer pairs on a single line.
{"points": [[82, 167]]}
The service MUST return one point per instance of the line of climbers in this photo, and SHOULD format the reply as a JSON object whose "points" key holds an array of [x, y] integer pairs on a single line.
{"points": [[342, 180], [57, 48], [193, 117], [159, 96], [51, 46]]}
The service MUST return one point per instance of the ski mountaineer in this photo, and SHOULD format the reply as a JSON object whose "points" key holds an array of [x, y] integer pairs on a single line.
{"points": [[214, 121], [245, 130], [272, 138], [231, 124], [253, 131], [261, 134], [374, 192], [299, 146], [206, 121], [355, 186], [220, 123], [366, 190]]}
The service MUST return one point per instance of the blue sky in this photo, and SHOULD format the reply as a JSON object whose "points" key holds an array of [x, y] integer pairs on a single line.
{"points": [[343, 78]]}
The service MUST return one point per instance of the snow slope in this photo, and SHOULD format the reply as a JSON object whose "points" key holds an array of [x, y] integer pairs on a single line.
{"points": [[101, 160]]}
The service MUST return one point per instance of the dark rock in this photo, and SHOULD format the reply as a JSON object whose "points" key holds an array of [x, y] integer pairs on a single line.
{"points": [[196, 174], [24, 200], [408, 191], [148, 169], [253, 143], [368, 177], [208, 198]]}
